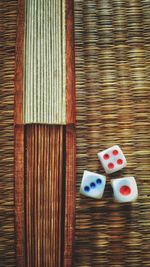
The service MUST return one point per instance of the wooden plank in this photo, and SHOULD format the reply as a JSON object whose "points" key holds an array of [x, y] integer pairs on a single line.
{"points": [[19, 195], [70, 187], [19, 64], [70, 193], [70, 64], [19, 140]]}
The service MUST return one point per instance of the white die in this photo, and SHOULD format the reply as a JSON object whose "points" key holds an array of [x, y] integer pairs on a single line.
{"points": [[112, 159], [92, 185], [125, 189]]}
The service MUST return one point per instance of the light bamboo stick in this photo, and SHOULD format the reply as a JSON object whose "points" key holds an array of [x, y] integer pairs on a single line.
{"points": [[44, 62]]}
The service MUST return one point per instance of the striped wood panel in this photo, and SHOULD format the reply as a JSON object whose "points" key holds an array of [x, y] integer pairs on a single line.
{"points": [[44, 195], [44, 62]]}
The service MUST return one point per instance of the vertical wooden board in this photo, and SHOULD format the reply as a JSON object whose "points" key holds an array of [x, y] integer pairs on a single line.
{"points": [[19, 140], [70, 188], [70, 195], [70, 64], [18, 112], [44, 196], [19, 195]]}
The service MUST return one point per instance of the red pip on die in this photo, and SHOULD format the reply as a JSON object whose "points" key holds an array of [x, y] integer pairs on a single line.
{"points": [[112, 159]]}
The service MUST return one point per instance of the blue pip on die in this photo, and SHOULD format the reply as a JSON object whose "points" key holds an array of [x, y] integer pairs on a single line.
{"points": [[92, 185]]}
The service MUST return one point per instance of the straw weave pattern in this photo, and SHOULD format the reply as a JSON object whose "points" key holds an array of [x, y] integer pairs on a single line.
{"points": [[113, 98], [8, 13]]}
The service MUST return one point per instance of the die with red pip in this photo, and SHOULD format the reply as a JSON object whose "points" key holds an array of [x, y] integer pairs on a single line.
{"points": [[112, 159], [125, 189]]}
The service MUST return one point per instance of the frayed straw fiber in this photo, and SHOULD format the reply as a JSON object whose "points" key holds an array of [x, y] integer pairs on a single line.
{"points": [[8, 14], [113, 107]]}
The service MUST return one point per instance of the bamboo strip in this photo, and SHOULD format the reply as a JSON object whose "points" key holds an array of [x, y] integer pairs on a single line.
{"points": [[19, 141], [28, 199], [35, 197], [44, 180], [70, 138], [44, 63], [70, 193]]}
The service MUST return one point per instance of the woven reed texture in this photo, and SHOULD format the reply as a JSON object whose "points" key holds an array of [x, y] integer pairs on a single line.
{"points": [[8, 10], [44, 195], [44, 64], [113, 98]]}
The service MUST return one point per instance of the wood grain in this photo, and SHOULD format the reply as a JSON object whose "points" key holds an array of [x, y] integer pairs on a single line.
{"points": [[18, 112], [19, 195], [44, 195], [70, 64], [19, 140], [70, 189], [70, 194]]}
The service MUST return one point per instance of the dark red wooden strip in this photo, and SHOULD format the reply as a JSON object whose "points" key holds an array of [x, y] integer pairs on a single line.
{"points": [[70, 191], [19, 140], [70, 64]]}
